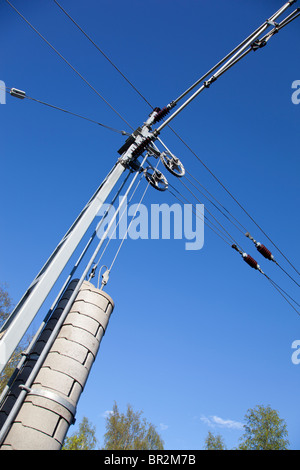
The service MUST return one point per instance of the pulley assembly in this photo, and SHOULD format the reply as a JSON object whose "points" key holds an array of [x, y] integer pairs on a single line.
{"points": [[156, 179], [172, 164]]}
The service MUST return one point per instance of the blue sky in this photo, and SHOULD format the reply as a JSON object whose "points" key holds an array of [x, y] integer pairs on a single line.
{"points": [[197, 337]]}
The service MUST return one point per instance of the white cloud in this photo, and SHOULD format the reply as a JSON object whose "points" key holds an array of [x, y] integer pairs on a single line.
{"points": [[106, 413], [216, 421], [163, 426]]}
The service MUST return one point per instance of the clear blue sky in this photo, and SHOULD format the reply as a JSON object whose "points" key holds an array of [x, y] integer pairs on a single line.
{"points": [[197, 337]]}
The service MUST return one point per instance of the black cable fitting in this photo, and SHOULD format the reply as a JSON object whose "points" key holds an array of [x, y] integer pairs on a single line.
{"points": [[210, 81], [258, 44]]}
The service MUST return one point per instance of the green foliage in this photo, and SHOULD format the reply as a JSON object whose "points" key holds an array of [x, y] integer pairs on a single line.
{"points": [[130, 432], [5, 305], [5, 309], [264, 430], [83, 439], [214, 442]]}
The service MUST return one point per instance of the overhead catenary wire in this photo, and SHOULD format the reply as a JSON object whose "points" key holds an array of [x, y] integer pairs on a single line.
{"points": [[229, 216], [225, 68], [237, 56], [221, 235], [68, 63], [205, 219], [280, 290], [223, 228], [283, 294], [229, 60], [102, 52], [283, 270], [236, 201], [244, 231]]}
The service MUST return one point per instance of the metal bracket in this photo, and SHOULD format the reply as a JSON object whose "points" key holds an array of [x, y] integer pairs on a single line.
{"points": [[31, 356], [272, 23], [51, 396]]}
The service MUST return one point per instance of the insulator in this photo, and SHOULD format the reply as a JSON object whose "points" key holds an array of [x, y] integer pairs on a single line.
{"points": [[251, 261], [161, 114], [141, 147], [265, 252]]}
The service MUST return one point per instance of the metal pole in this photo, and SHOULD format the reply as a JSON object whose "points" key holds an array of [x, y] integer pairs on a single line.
{"points": [[65, 312], [20, 319]]}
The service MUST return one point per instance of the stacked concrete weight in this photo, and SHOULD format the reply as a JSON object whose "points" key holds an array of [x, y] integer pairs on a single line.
{"points": [[49, 407]]}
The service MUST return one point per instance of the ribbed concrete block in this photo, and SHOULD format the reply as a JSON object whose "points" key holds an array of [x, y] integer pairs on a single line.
{"points": [[84, 322], [45, 420], [66, 365], [55, 380], [18, 442], [69, 349], [77, 335], [48, 410]]}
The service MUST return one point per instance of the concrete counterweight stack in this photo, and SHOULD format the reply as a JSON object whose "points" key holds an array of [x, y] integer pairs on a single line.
{"points": [[50, 404]]}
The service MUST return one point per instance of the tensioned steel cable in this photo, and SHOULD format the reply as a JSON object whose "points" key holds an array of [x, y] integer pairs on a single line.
{"points": [[103, 53], [286, 21], [243, 232], [223, 228], [215, 205], [140, 94], [133, 217], [282, 24], [237, 202], [281, 291], [68, 63], [206, 220], [127, 230], [110, 61], [110, 236], [79, 116], [7, 89]]}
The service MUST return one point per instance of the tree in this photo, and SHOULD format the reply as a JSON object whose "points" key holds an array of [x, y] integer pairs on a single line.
{"points": [[130, 432], [6, 306], [5, 309], [83, 439], [213, 442], [264, 430]]}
